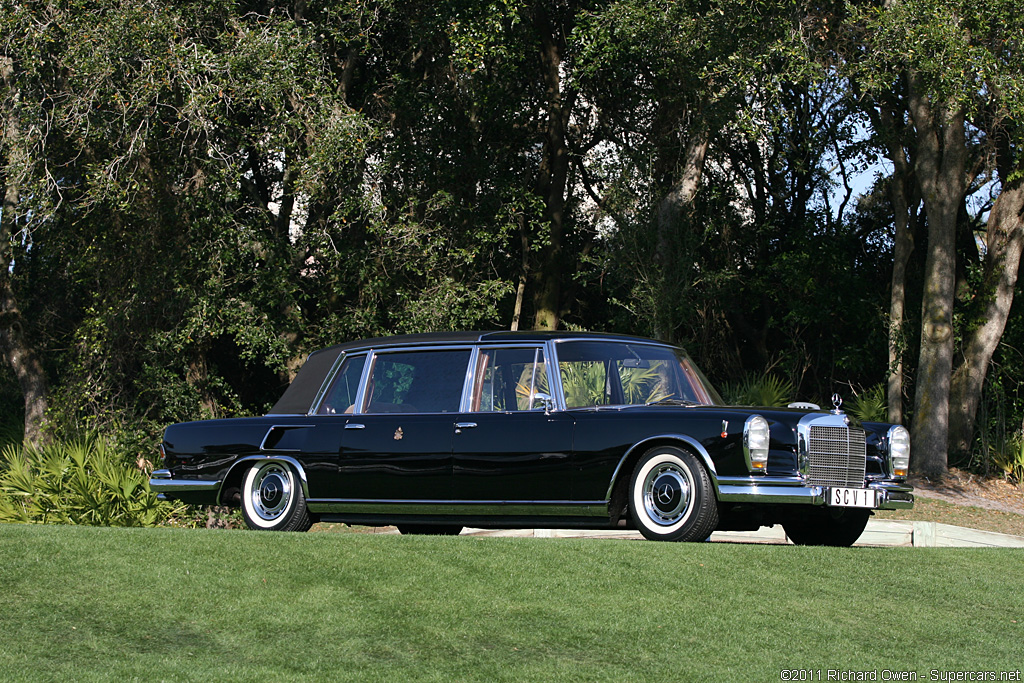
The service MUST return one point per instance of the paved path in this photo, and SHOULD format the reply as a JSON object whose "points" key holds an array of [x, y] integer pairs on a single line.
{"points": [[880, 533]]}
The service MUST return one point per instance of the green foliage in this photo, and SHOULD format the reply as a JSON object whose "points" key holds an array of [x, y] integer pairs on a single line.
{"points": [[208, 191], [1009, 457], [81, 482], [870, 405], [767, 390], [585, 384], [999, 447]]}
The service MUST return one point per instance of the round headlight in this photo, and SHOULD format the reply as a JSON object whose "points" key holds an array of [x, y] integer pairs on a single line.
{"points": [[755, 443], [899, 451]]}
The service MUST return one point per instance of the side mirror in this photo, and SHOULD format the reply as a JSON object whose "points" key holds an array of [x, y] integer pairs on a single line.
{"points": [[545, 400]]}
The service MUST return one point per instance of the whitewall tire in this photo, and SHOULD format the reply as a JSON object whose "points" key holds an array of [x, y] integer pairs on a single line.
{"points": [[671, 497], [272, 498]]}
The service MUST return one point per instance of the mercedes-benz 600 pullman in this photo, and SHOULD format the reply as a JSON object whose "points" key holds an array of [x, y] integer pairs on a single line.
{"points": [[437, 432]]}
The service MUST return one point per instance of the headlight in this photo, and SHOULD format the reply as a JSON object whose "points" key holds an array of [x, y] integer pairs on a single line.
{"points": [[755, 443], [899, 451]]}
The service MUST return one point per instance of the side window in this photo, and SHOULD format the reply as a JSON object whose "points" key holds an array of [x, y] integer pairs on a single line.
{"points": [[417, 382], [585, 383], [507, 379], [341, 397]]}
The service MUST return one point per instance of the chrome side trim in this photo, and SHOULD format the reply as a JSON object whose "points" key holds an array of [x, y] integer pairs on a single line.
{"points": [[477, 508], [689, 441], [263, 444]]}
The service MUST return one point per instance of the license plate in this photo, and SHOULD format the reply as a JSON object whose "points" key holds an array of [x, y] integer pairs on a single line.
{"points": [[852, 498]]}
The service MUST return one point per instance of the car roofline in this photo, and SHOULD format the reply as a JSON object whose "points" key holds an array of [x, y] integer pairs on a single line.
{"points": [[497, 336]]}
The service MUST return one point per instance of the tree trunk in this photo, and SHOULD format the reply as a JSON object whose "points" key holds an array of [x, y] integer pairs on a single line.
{"points": [[902, 248], [552, 180], [1005, 242], [17, 351], [941, 174], [669, 213], [904, 211]]}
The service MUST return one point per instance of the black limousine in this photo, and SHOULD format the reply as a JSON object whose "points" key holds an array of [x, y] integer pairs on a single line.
{"points": [[436, 432]]}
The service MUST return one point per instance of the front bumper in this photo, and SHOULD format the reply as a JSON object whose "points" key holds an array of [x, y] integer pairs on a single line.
{"points": [[892, 496]]}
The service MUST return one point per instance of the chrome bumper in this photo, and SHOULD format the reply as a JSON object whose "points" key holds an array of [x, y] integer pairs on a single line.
{"points": [[162, 482], [796, 491]]}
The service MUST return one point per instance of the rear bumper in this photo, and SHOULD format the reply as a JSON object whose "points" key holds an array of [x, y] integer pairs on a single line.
{"points": [[163, 483], [761, 490]]}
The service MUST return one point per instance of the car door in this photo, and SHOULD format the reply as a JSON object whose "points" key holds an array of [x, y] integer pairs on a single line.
{"points": [[508, 446], [392, 442]]}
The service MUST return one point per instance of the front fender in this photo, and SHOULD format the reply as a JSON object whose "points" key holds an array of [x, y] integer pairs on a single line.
{"points": [[687, 442]]}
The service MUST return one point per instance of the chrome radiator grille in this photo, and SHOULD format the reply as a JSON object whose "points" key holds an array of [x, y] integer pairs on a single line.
{"points": [[836, 456]]}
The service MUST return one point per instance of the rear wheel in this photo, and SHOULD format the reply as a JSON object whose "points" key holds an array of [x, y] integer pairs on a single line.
{"points": [[430, 529], [272, 498], [671, 497], [837, 527]]}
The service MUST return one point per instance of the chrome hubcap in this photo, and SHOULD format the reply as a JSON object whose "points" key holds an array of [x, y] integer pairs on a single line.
{"points": [[667, 494], [271, 491]]}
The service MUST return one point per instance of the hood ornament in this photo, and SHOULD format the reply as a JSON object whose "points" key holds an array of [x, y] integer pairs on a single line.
{"points": [[837, 401]]}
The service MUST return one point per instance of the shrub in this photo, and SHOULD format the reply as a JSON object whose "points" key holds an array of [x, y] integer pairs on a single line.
{"points": [[870, 405], [77, 482], [766, 390], [1009, 456]]}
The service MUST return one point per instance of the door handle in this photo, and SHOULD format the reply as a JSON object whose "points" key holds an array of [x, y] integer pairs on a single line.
{"points": [[459, 426], [355, 425]]}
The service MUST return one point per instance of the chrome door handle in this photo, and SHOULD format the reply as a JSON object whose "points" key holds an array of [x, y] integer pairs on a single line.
{"points": [[355, 425], [459, 426]]}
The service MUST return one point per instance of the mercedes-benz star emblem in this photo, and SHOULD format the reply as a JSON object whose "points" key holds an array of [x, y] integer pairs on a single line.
{"points": [[665, 494]]}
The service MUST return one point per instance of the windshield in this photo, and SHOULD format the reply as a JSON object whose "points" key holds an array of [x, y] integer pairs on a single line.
{"points": [[598, 373]]}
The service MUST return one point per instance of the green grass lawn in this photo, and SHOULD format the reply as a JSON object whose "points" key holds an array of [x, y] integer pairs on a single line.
{"points": [[103, 604]]}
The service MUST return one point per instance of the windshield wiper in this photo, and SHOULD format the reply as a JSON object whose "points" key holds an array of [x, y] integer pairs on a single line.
{"points": [[672, 402]]}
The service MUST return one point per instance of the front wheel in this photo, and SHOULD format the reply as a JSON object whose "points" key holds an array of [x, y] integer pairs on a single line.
{"points": [[272, 498], [837, 527], [671, 497]]}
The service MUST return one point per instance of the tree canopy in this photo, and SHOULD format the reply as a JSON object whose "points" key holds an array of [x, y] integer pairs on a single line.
{"points": [[198, 194]]}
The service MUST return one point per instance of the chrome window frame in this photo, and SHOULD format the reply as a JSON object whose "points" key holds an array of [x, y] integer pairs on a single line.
{"points": [[332, 374], [560, 398], [371, 359], [467, 397]]}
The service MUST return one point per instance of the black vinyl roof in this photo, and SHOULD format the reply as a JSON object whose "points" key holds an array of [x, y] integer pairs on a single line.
{"points": [[299, 396]]}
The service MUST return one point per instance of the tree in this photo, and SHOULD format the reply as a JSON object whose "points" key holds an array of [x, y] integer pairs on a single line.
{"points": [[956, 63], [21, 73]]}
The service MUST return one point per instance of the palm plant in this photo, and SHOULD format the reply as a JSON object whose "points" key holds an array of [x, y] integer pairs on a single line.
{"points": [[78, 482], [766, 390], [870, 405]]}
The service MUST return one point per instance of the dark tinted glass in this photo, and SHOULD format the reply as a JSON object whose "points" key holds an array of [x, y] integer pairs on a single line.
{"points": [[417, 381], [341, 397]]}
